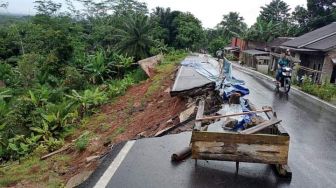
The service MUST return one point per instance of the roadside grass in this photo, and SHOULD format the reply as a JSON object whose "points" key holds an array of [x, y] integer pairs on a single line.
{"points": [[32, 170], [82, 141], [325, 91], [167, 66]]}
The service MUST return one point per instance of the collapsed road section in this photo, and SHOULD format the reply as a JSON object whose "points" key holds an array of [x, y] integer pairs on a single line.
{"points": [[222, 126], [237, 131]]}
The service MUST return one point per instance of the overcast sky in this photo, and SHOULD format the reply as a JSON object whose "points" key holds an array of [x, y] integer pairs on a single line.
{"points": [[210, 12]]}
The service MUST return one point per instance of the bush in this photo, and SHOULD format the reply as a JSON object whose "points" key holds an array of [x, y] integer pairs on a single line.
{"points": [[88, 100], [325, 91], [119, 87], [231, 57], [82, 141], [174, 55], [74, 79]]}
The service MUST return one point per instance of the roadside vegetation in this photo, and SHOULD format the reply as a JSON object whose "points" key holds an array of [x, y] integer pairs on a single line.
{"points": [[57, 68], [325, 91], [60, 66], [275, 19], [32, 171]]}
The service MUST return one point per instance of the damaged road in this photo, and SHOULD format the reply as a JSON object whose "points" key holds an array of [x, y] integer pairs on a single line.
{"points": [[146, 162]]}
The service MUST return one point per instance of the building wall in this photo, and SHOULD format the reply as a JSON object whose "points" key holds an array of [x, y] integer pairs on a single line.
{"points": [[328, 66], [256, 45], [313, 62], [237, 42], [327, 69]]}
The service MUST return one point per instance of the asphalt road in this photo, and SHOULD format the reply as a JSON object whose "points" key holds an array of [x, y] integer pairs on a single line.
{"points": [[311, 126], [312, 155]]}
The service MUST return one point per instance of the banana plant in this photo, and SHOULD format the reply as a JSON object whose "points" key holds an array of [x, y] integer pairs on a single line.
{"points": [[98, 68], [44, 131], [17, 146], [5, 95], [89, 99]]}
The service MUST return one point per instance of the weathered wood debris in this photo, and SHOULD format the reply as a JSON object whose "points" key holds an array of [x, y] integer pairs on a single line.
{"points": [[228, 127]]}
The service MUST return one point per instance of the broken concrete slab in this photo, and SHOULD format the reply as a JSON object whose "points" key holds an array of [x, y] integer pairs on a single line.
{"points": [[78, 179], [187, 113], [148, 65], [92, 158], [196, 76]]}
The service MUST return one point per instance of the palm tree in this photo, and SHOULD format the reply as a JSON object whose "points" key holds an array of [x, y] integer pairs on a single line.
{"points": [[133, 36], [232, 25], [263, 31]]}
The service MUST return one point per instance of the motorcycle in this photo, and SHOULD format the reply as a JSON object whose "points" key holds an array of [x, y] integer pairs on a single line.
{"points": [[285, 79]]}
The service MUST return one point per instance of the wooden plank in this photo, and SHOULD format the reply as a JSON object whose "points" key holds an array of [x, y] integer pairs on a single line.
{"points": [[293, 59], [261, 126], [56, 152], [199, 115], [268, 149], [234, 138], [231, 115], [282, 131], [283, 171]]}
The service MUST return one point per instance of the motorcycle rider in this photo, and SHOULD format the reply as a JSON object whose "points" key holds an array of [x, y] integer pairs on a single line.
{"points": [[283, 62]]}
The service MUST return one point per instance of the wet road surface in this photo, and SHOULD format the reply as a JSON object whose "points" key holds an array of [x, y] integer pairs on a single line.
{"points": [[311, 126], [312, 155]]}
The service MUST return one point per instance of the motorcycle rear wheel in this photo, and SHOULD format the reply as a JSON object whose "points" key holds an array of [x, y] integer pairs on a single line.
{"points": [[287, 85]]}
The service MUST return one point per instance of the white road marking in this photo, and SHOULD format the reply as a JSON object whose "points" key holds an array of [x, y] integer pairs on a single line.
{"points": [[104, 180], [177, 77]]}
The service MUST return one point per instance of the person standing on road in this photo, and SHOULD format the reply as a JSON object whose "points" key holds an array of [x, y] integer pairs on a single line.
{"points": [[220, 54]]}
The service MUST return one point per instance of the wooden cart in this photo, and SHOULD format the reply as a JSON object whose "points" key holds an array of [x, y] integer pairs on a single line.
{"points": [[269, 146]]}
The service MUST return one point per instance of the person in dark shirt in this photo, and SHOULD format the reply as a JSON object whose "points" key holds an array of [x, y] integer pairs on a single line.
{"points": [[283, 62]]}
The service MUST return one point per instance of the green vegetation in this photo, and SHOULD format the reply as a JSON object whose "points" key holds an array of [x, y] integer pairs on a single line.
{"points": [[164, 70], [275, 20], [34, 170], [82, 141], [325, 91], [58, 67]]}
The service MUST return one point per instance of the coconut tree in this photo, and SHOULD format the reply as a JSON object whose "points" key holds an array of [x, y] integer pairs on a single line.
{"points": [[134, 37]]}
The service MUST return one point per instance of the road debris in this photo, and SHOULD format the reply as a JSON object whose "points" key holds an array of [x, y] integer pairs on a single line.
{"points": [[237, 131], [148, 64], [92, 158], [181, 155]]}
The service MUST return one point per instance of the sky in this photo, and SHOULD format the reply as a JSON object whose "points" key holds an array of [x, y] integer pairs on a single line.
{"points": [[210, 12]]}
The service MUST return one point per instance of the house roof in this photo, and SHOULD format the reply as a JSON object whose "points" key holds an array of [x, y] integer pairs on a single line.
{"points": [[256, 52], [322, 39], [278, 41], [230, 48]]}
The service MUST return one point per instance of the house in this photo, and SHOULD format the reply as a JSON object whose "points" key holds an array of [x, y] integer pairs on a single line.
{"points": [[317, 53], [256, 54], [254, 58]]}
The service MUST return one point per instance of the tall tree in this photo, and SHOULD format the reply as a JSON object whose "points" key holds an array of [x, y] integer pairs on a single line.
{"points": [[263, 31], [134, 36], [3, 4], [274, 21], [321, 13], [165, 20], [232, 25], [276, 11], [47, 7], [301, 19], [190, 32]]}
